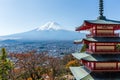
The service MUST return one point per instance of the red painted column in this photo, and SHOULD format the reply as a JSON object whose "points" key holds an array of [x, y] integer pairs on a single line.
{"points": [[113, 33], [96, 30], [94, 65], [115, 48], [95, 47], [117, 65]]}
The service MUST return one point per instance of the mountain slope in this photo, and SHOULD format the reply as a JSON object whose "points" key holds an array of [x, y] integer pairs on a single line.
{"points": [[49, 31]]}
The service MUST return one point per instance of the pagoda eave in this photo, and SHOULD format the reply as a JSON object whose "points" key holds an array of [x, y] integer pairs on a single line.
{"points": [[87, 25], [106, 70], [102, 40], [103, 70], [82, 73], [78, 41], [85, 41], [104, 52]]}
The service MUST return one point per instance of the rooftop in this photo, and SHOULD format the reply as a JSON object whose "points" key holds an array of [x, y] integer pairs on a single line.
{"points": [[104, 39], [80, 56], [104, 21], [81, 73], [93, 57]]}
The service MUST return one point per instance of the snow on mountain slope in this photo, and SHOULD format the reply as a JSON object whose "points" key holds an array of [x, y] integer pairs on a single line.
{"points": [[50, 26], [49, 31]]}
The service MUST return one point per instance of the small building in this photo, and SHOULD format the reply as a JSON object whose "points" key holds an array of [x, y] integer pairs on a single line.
{"points": [[101, 60]]}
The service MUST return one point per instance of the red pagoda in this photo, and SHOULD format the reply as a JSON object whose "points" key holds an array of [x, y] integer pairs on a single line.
{"points": [[101, 60]]}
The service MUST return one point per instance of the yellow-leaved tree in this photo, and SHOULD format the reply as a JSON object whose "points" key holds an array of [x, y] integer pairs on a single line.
{"points": [[72, 63]]}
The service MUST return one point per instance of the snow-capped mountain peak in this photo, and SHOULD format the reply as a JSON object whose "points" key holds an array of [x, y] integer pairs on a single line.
{"points": [[49, 31], [50, 26]]}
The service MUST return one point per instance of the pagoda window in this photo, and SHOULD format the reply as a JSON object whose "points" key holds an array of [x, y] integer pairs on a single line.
{"points": [[93, 48], [119, 65], [105, 65], [105, 44], [105, 48], [94, 28], [104, 31], [92, 65], [94, 31], [90, 46], [88, 64], [105, 27]]}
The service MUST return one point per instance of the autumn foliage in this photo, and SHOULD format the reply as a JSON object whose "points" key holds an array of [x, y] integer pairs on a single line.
{"points": [[38, 66], [72, 63], [33, 66]]}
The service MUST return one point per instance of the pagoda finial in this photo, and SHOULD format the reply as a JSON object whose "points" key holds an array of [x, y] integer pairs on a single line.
{"points": [[101, 9]]}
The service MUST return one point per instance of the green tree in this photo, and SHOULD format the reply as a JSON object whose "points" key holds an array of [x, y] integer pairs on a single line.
{"points": [[83, 49], [5, 65], [118, 47]]}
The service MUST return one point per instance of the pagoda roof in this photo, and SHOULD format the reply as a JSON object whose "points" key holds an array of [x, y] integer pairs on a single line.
{"points": [[88, 57], [103, 39], [90, 23], [105, 75], [102, 58], [80, 56], [77, 41], [99, 39], [76, 71], [80, 72], [104, 21]]}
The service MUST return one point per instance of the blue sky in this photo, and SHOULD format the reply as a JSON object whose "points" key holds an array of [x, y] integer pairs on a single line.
{"points": [[23, 15]]}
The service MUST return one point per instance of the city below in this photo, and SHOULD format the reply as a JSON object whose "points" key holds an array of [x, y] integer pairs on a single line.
{"points": [[53, 48]]}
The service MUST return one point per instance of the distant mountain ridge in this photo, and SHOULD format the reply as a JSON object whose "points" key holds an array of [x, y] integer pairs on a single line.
{"points": [[49, 31]]}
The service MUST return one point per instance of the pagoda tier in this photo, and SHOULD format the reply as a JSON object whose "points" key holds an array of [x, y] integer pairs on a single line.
{"points": [[100, 28], [103, 35], [81, 73], [99, 63], [101, 45], [99, 24]]}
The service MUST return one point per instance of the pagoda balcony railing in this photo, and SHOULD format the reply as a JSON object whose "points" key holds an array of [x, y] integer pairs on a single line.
{"points": [[105, 70], [103, 51], [113, 68], [103, 35]]}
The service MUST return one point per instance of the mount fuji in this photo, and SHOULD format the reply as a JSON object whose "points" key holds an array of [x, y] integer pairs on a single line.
{"points": [[49, 31], [50, 26]]}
